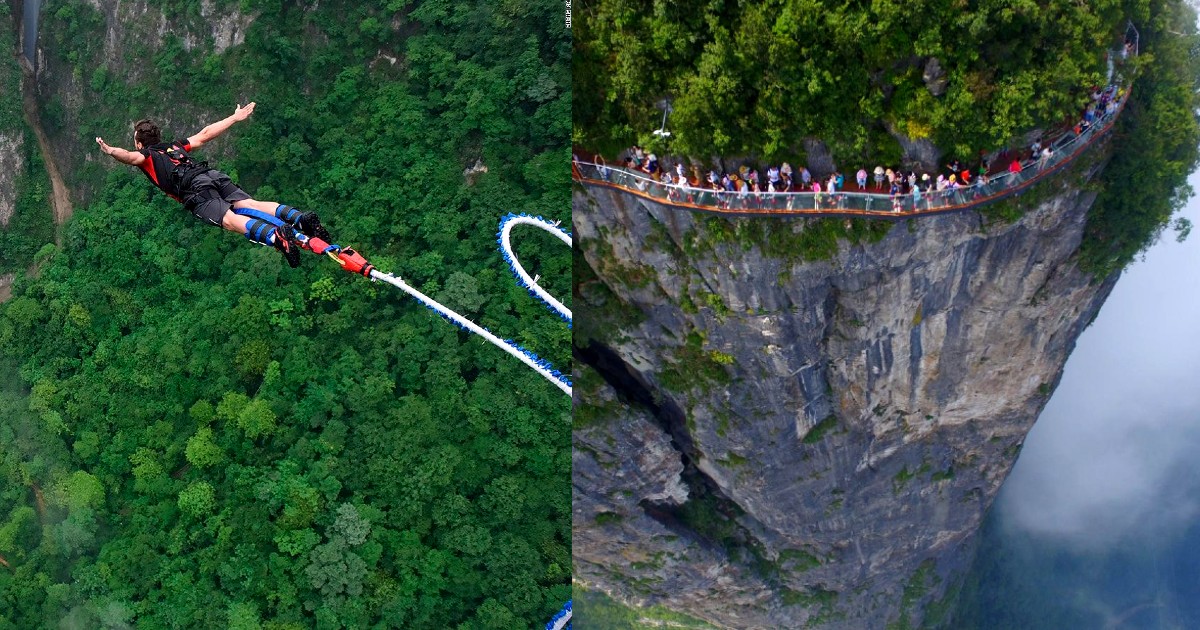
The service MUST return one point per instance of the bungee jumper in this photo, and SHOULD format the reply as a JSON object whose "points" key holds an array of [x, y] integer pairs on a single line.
{"points": [[211, 195]]}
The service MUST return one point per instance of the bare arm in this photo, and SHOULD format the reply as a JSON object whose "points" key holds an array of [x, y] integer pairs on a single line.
{"points": [[132, 158], [219, 127]]}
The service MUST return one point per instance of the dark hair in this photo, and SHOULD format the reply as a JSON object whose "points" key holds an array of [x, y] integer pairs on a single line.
{"points": [[146, 132]]}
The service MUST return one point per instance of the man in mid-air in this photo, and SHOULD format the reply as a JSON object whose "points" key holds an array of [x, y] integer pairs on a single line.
{"points": [[209, 194]]}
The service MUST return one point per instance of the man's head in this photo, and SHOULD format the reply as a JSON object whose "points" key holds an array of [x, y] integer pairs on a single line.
{"points": [[146, 133]]}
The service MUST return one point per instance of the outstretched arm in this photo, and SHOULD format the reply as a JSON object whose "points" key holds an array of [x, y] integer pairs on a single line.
{"points": [[132, 158], [219, 127]]}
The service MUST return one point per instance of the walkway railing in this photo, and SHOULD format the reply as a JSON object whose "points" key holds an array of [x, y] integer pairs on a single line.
{"points": [[1065, 148]]}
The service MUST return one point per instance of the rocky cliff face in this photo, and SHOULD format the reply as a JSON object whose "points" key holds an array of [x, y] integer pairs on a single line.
{"points": [[11, 167], [780, 443]]}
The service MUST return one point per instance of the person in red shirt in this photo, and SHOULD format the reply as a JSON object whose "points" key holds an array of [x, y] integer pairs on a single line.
{"points": [[211, 195]]}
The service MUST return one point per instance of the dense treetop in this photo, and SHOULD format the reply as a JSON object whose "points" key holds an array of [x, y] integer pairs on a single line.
{"points": [[757, 78], [194, 435]]}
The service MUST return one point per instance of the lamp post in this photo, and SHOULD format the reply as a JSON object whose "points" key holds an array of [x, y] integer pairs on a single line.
{"points": [[665, 106]]}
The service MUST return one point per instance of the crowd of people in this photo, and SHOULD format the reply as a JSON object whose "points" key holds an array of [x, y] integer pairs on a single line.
{"points": [[904, 188]]}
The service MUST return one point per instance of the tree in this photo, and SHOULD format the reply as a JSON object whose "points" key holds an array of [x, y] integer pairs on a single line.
{"points": [[202, 451], [19, 533], [256, 419], [244, 616], [78, 490], [335, 571], [148, 472], [351, 525]]}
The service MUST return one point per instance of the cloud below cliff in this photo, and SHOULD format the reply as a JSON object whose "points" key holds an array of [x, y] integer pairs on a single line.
{"points": [[1116, 449]]}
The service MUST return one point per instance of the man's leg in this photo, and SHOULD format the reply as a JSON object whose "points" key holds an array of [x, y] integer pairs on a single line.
{"points": [[234, 222], [281, 237], [214, 199], [306, 222], [267, 207]]}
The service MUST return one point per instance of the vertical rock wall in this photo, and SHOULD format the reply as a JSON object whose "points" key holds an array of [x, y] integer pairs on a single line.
{"points": [[845, 423], [12, 165]]}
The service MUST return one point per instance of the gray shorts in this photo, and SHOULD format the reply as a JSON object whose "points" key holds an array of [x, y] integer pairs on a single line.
{"points": [[211, 194]]}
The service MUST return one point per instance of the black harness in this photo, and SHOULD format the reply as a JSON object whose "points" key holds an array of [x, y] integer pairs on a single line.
{"points": [[183, 168]]}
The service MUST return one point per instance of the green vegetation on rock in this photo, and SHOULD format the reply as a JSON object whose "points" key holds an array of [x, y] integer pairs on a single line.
{"points": [[820, 429], [916, 591], [1156, 144], [594, 610]]}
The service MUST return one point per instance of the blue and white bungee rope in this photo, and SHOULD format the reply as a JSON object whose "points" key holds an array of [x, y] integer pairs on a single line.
{"points": [[561, 621], [530, 284], [539, 365]]}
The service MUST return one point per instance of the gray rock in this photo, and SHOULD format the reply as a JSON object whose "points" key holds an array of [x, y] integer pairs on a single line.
{"points": [[919, 155], [818, 158], [12, 166], [935, 77]]}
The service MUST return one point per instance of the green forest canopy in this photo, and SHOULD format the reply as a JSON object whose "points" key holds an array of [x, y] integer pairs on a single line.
{"points": [[758, 78], [194, 435], [1155, 147]]}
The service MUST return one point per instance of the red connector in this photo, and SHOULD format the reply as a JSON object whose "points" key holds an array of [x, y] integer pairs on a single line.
{"points": [[316, 245], [353, 262], [349, 259]]}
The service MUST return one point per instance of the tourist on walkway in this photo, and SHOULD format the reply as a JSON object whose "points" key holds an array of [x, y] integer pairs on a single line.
{"points": [[1046, 154]]}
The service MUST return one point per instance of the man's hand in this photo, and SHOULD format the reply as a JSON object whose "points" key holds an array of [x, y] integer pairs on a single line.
{"points": [[131, 158], [219, 127], [242, 113]]}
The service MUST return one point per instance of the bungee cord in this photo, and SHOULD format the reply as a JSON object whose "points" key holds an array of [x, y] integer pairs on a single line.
{"points": [[353, 262], [506, 226], [561, 621]]}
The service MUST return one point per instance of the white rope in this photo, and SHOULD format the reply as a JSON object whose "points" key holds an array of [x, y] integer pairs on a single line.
{"points": [[506, 226], [524, 356], [562, 620], [541, 366]]}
